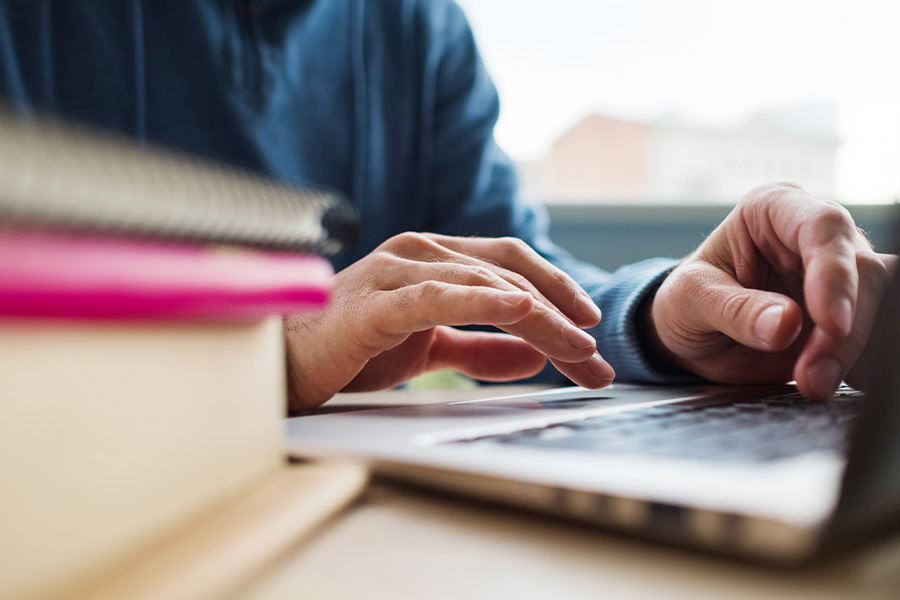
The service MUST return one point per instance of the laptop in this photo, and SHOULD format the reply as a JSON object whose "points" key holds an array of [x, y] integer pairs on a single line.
{"points": [[756, 472]]}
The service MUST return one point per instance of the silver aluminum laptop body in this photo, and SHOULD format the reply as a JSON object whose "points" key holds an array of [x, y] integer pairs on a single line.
{"points": [[529, 450]]}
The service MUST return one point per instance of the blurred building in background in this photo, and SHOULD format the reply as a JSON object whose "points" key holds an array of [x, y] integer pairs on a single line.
{"points": [[605, 159]]}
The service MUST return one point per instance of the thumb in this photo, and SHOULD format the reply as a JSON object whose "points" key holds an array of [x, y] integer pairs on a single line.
{"points": [[757, 319]]}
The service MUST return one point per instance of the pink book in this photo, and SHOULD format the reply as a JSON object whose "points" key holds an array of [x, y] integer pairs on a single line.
{"points": [[63, 275]]}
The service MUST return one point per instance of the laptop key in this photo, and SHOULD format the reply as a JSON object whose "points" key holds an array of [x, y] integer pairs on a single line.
{"points": [[764, 430]]}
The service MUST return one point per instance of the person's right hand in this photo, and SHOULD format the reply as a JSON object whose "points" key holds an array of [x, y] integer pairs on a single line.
{"points": [[389, 316], [785, 288]]}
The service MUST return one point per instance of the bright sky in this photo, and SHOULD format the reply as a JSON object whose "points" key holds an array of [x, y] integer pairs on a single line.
{"points": [[711, 61]]}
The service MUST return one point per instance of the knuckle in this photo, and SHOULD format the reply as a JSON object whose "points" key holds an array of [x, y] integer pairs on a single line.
{"points": [[734, 307], [833, 225], [513, 247], [433, 303], [413, 304], [838, 217], [480, 275], [381, 261], [559, 279], [381, 271], [768, 192], [409, 237], [518, 280], [410, 242], [427, 293]]}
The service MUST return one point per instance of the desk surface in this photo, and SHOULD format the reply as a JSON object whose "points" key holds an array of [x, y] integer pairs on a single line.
{"points": [[401, 543]]}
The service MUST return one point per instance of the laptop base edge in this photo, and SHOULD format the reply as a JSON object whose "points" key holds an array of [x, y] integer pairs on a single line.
{"points": [[732, 535]]}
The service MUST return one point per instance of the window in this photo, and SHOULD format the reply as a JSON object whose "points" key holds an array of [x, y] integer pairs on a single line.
{"points": [[653, 94]]}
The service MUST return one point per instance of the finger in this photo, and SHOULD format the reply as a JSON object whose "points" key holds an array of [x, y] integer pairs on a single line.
{"points": [[824, 363], [827, 360], [822, 233], [712, 301], [527, 269], [432, 303], [831, 283], [593, 373], [483, 355], [429, 305], [553, 335]]}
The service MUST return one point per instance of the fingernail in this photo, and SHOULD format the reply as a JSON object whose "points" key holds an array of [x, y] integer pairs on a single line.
{"points": [[579, 339], [768, 322], [586, 306], [601, 369], [825, 376], [514, 298], [842, 313]]}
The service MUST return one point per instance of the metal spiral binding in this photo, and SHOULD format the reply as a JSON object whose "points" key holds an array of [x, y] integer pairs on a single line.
{"points": [[64, 176]]}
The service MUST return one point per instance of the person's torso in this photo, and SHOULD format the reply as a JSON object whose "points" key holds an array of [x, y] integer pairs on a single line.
{"points": [[295, 89]]}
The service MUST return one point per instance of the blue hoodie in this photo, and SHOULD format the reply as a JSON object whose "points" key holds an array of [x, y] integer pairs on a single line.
{"points": [[386, 100]]}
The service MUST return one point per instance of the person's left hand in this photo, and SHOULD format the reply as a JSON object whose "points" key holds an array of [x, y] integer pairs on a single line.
{"points": [[393, 315], [785, 288]]}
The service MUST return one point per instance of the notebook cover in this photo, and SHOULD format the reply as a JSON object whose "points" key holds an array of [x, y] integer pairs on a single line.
{"points": [[61, 275], [69, 176]]}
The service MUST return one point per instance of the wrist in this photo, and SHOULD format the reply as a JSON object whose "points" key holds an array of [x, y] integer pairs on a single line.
{"points": [[305, 378], [655, 352]]}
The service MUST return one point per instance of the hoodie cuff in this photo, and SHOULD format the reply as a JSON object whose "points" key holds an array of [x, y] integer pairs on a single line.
{"points": [[617, 335]]}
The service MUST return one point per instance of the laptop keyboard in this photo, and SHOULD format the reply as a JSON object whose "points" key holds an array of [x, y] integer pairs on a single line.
{"points": [[759, 430]]}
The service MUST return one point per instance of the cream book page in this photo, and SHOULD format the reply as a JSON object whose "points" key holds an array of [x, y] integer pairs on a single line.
{"points": [[113, 435]]}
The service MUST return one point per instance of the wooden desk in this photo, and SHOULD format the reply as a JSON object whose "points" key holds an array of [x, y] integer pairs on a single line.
{"points": [[402, 543]]}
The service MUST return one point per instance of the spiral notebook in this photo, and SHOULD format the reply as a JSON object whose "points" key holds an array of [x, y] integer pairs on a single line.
{"points": [[61, 175], [94, 225]]}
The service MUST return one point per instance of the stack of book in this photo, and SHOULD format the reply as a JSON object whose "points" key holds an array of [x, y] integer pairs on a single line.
{"points": [[142, 366]]}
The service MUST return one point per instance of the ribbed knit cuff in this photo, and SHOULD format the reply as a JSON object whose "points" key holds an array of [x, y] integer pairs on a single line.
{"points": [[617, 337]]}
